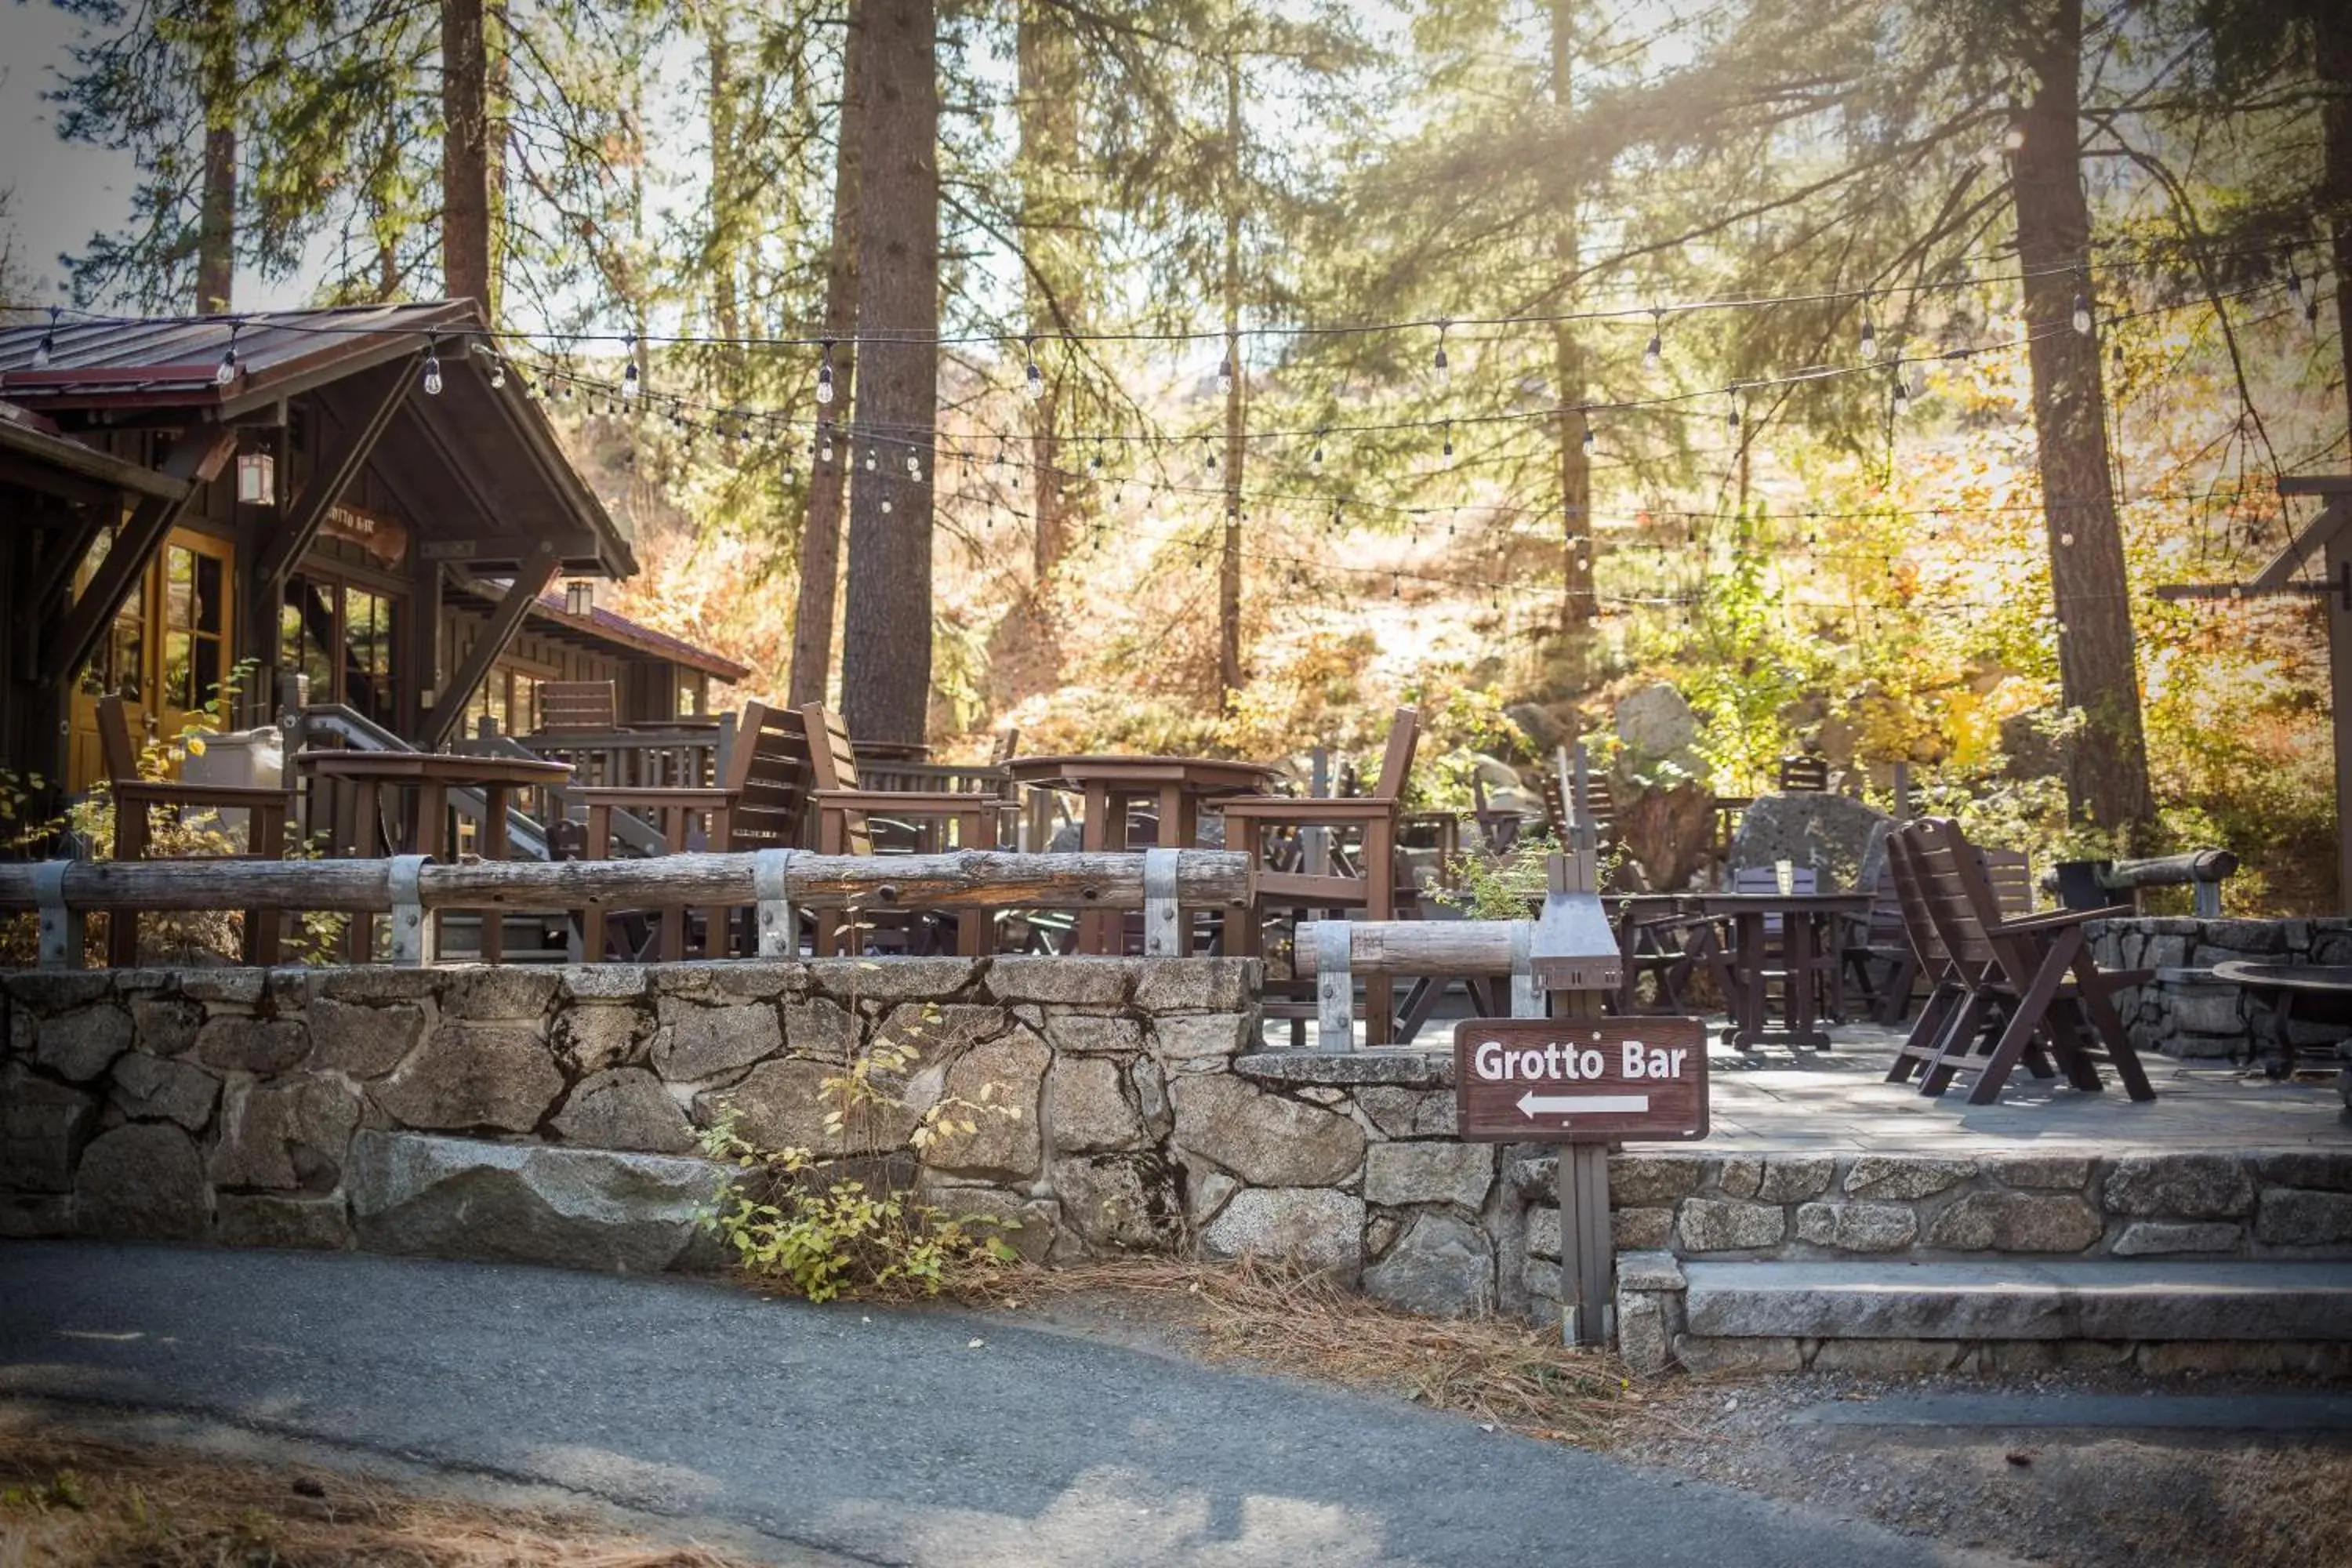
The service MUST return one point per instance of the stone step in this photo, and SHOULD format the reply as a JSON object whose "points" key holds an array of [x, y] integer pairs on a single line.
{"points": [[2017, 1299]]}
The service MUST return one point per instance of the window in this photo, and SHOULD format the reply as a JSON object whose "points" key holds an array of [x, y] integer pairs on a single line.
{"points": [[369, 684], [345, 641], [120, 664], [194, 628]]}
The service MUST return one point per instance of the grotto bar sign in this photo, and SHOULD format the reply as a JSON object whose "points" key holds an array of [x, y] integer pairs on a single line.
{"points": [[1580, 1080]]}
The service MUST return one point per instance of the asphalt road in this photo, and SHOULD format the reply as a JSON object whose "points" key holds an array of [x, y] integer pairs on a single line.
{"points": [[871, 1435]]}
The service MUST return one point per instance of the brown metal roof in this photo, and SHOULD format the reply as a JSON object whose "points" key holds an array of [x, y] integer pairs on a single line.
{"points": [[604, 625], [495, 444], [37, 441]]}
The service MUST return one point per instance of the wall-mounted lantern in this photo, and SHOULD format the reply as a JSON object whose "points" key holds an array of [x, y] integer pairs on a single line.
{"points": [[580, 597], [257, 479]]}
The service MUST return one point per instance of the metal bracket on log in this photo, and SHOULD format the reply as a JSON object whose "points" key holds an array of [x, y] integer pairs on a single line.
{"points": [[1163, 926], [778, 928], [411, 930], [61, 924], [1335, 986], [1575, 946]]}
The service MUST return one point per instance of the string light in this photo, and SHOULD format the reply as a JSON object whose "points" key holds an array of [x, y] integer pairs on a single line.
{"points": [[1590, 441], [1901, 395], [497, 373], [1655, 354], [914, 467], [1317, 457], [1448, 450], [1869, 335], [227, 369], [1439, 364], [825, 374], [47, 347], [2082, 313], [824, 443], [433, 371], [2294, 285], [629, 378], [1034, 379], [869, 460], [1225, 376]]}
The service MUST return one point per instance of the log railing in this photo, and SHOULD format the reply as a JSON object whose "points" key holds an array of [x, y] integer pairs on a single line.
{"points": [[777, 881]]}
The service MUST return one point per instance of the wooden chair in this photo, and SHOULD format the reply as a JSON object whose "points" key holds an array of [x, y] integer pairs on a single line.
{"points": [[758, 804], [2010, 872], [135, 797], [577, 706], [1250, 818], [845, 813], [1879, 953], [1804, 774], [2034, 975]]}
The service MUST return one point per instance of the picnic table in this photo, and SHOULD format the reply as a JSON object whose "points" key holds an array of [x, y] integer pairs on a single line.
{"points": [[425, 779], [1788, 937], [1113, 785]]}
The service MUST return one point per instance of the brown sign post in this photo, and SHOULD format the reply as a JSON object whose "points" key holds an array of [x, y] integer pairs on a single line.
{"points": [[1580, 1080]]}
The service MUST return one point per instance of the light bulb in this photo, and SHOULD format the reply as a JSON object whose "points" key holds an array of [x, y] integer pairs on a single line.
{"points": [[824, 450], [1902, 398], [886, 506], [226, 373], [432, 375], [1035, 378], [2118, 356], [2294, 287], [629, 385], [1656, 352], [914, 467], [1590, 441], [825, 374], [869, 460], [1448, 449], [1869, 341], [1225, 376], [1318, 459], [1438, 364], [1734, 418], [498, 375], [2083, 315], [44, 349]]}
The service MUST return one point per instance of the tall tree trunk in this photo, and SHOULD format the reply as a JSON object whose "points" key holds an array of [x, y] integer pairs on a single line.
{"points": [[1229, 558], [465, 155], [886, 661], [725, 196], [2332, 51], [821, 528], [1048, 99], [2106, 758], [216, 211], [1577, 606]]}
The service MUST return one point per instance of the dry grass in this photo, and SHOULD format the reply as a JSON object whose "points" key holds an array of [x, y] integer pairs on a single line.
{"points": [[94, 1505], [1503, 1373]]}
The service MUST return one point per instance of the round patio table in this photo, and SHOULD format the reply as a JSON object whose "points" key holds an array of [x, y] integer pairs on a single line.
{"points": [[1808, 949], [427, 777], [1113, 785]]}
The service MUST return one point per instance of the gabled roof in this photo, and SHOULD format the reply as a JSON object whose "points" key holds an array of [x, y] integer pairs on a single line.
{"points": [[600, 622], [32, 447], [504, 468]]}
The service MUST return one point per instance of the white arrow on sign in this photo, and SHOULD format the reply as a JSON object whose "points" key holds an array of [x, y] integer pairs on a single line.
{"points": [[1532, 1104]]}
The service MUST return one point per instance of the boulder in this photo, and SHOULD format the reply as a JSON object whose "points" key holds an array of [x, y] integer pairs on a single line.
{"points": [[1830, 833], [1715, 1224], [1266, 1140], [695, 1043], [143, 1181], [1086, 1107], [625, 1108], [82, 1045], [263, 1046], [1457, 1173], [2016, 1222], [267, 1219], [1441, 1266], [365, 1042], [451, 1198], [156, 1088], [999, 1084], [285, 1135], [2180, 1187], [467, 1075], [1313, 1228], [43, 1127], [1655, 722], [1126, 1203]]}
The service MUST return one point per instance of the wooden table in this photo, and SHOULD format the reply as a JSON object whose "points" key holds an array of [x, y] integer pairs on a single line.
{"points": [[1808, 951], [427, 777], [1113, 785]]}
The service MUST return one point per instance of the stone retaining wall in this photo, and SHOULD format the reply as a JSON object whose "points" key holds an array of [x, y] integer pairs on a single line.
{"points": [[2182, 1015], [2285, 1203]]}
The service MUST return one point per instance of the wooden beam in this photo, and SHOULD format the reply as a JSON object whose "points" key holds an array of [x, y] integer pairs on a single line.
{"points": [[196, 459], [2315, 485], [497, 633], [2317, 536], [336, 469], [2339, 703], [490, 548]]}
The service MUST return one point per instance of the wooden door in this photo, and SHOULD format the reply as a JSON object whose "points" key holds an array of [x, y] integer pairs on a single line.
{"points": [[167, 652]]}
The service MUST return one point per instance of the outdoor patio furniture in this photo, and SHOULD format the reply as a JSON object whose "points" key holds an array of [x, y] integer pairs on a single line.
{"points": [[2314, 993], [568, 707], [1114, 787], [1371, 888], [1877, 952], [2028, 977], [758, 804], [1805, 774], [362, 784], [134, 797], [1780, 946], [1666, 937], [845, 812]]}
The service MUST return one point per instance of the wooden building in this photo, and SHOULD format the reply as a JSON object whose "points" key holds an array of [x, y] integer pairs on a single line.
{"points": [[365, 502]]}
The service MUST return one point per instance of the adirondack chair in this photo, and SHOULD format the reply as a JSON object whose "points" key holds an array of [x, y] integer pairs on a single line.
{"points": [[845, 826], [2034, 974], [757, 804], [1252, 819], [135, 797], [1947, 986]]}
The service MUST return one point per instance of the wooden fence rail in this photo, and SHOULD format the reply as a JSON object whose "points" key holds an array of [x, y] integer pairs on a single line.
{"points": [[1157, 882]]}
